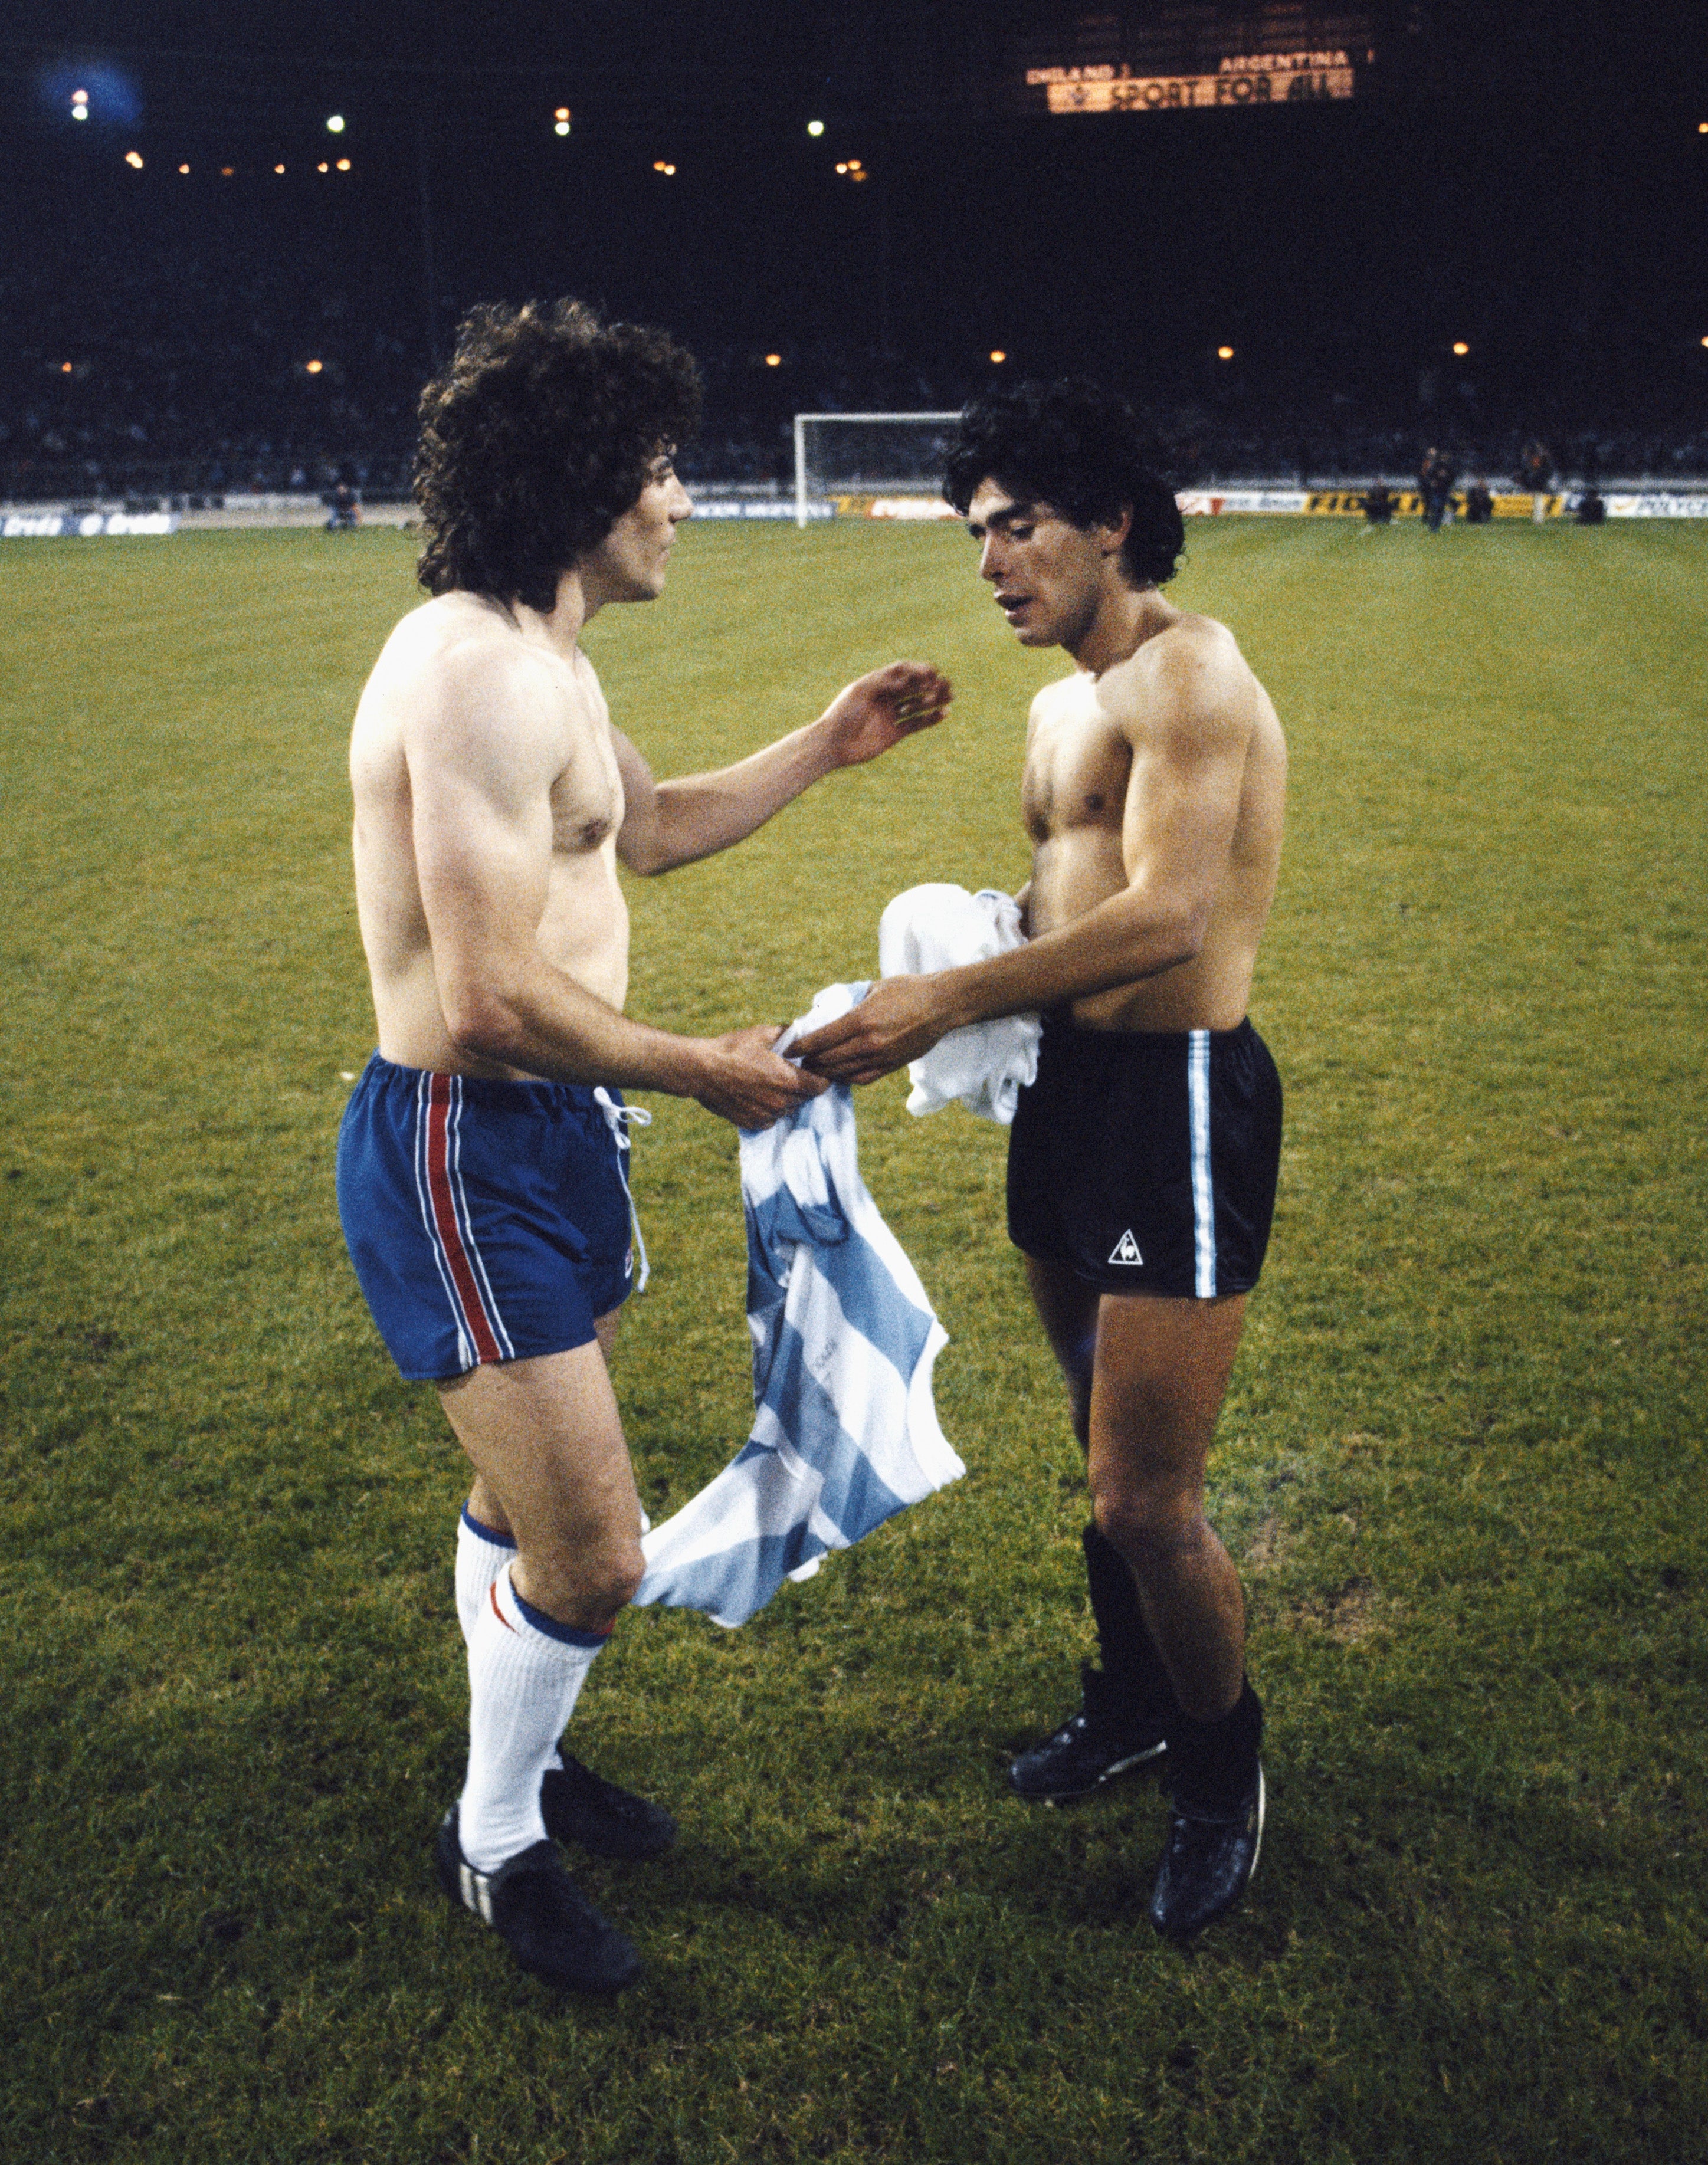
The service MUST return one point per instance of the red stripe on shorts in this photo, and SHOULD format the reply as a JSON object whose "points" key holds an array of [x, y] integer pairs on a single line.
{"points": [[463, 1276]]}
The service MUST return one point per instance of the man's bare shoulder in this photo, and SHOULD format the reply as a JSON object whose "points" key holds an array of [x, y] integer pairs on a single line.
{"points": [[1191, 671], [458, 671]]}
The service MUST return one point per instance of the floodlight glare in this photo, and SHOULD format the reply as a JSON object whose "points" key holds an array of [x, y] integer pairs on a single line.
{"points": [[559, 128], [1461, 348], [343, 165], [133, 158], [183, 169], [335, 125], [561, 113], [65, 368], [815, 128], [279, 169], [323, 167], [1224, 353], [773, 361], [313, 367], [998, 356]]}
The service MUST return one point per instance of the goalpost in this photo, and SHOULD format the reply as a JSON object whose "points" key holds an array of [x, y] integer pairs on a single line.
{"points": [[867, 454]]}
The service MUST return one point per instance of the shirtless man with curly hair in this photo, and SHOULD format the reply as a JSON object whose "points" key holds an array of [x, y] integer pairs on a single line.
{"points": [[480, 1175]]}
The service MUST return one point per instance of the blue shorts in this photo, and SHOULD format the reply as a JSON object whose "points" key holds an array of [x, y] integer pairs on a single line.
{"points": [[487, 1220]]}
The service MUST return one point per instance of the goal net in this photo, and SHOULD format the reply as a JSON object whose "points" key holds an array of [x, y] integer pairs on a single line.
{"points": [[869, 455]]}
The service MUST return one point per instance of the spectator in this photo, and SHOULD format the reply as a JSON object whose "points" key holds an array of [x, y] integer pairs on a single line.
{"points": [[1379, 504], [1479, 505]]}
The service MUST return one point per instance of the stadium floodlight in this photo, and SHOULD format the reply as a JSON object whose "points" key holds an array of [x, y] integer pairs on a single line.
{"points": [[815, 128], [343, 165], [133, 158], [1224, 353], [998, 355], [335, 123], [773, 361], [867, 454], [560, 120]]}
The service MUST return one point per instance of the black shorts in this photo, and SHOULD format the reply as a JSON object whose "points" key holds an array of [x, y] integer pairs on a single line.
{"points": [[1146, 1161]]}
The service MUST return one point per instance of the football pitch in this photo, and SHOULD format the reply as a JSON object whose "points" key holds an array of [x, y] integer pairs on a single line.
{"points": [[1461, 1466]]}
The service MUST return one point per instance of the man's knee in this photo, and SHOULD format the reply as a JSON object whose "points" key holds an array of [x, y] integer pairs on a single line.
{"points": [[583, 1588], [1151, 1524]]}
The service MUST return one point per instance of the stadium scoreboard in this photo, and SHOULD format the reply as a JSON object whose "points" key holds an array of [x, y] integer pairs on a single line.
{"points": [[1174, 58]]}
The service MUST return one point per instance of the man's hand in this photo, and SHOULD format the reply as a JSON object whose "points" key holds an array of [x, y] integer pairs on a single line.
{"points": [[744, 1081], [898, 1020], [878, 710]]}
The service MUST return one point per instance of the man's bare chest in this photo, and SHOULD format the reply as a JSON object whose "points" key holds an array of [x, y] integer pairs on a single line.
{"points": [[1077, 773], [587, 794]]}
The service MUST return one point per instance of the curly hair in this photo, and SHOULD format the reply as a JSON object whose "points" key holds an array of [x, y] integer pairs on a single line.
{"points": [[1077, 448], [536, 438]]}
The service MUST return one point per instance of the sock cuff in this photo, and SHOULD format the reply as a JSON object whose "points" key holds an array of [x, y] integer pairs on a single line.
{"points": [[471, 1524], [503, 1595]]}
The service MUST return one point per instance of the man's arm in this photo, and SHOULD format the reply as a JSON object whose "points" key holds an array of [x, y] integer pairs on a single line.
{"points": [[668, 823], [1189, 739], [483, 752]]}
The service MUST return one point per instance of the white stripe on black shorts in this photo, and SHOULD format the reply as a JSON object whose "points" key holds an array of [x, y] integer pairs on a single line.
{"points": [[1146, 1159]]}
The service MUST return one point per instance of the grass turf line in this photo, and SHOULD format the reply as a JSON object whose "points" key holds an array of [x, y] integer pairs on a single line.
{"points": [[1460, 1463]]}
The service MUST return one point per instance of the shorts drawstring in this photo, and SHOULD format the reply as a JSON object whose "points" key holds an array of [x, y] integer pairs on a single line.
{"points": [[617, 1119]]}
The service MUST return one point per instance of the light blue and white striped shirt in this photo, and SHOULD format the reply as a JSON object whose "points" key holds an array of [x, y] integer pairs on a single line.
{"points": [[845, 1429]]}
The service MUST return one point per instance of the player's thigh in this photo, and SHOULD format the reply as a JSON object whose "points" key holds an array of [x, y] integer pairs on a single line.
{"points": [[1161, 1372], [1067, 1308], [547, 1440]]}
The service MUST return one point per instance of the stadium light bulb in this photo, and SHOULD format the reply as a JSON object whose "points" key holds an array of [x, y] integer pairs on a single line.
{"points": [[65, 368], [335, 123], [323, 167], [773, 361], [343, 165], [841, 169], [998, 356], [1702, 127], [1461, 348], [279, 169], [313, 367], [226, 171], [80, 97], [1224, 353], [1705, 341], [133, 158], [80, 113], [183, 169], [559, 128], [660, 167], [815, 128]]}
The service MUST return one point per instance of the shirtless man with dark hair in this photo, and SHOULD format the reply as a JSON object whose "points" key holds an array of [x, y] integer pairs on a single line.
{"points": [[1142, 1160], [480, 1174]]}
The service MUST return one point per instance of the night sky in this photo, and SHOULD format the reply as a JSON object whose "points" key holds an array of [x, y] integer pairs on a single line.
{"points": [[1535, 187]]}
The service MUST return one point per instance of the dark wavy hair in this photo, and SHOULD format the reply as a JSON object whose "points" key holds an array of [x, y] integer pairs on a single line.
{"points": [[537, 439], [1077, 448]]}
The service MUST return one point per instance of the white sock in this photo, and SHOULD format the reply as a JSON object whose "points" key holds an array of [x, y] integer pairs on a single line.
{"points": [[482, 1554], [525, 1673]]}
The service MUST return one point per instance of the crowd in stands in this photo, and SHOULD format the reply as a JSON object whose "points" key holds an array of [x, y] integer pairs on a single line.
{"points": [[253, 390]]}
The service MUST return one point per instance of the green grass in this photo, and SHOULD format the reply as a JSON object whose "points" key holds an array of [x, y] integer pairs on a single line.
{"points": [[1462, 1462]]}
